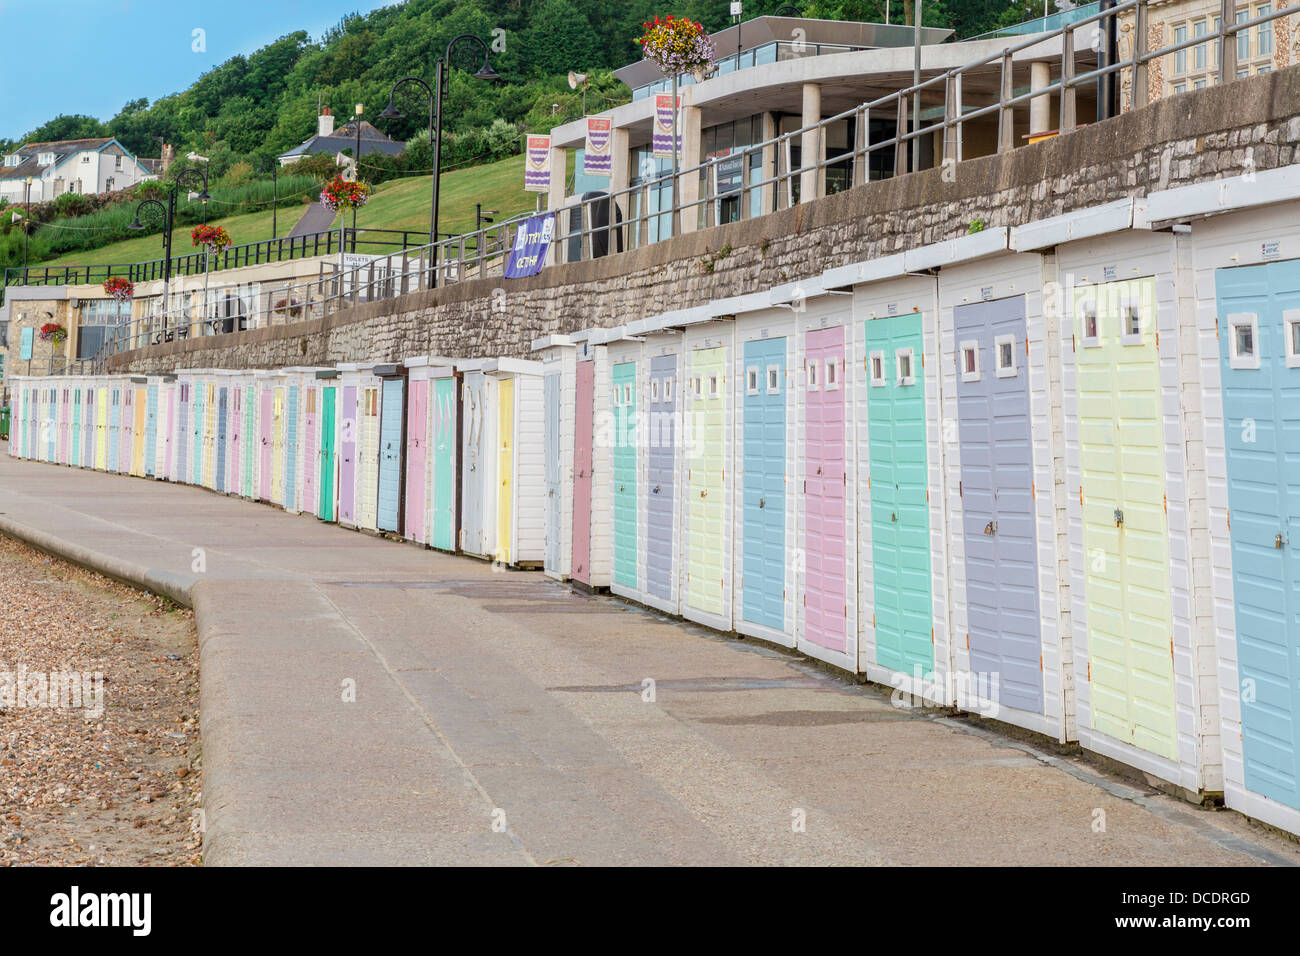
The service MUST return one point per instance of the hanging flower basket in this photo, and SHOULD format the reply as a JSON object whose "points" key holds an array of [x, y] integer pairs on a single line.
{"points": [[53, 332], [119, 288], [340, 193], [213, 238], [289, 308], [677, 45]]}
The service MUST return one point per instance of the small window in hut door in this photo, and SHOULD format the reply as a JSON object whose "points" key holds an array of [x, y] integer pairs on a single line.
{"points": [[668, 389], [1130, 317], [654, 391], [813, 376], [713, 386], [697, 386], [774, 380], [1291, 329], [877, 361], [906, 374], [1243, 340], [970, 360], [1091, 326], [1005, 349], [751, 380], [832, 375]]}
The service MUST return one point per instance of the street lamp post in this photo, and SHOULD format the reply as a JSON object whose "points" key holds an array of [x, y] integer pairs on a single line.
{"points": [[168, 212], [27, 224], [485, 72], [356, 175]]}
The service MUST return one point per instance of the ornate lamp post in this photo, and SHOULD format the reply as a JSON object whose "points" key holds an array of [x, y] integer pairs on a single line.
{"points": [[485, 72]]}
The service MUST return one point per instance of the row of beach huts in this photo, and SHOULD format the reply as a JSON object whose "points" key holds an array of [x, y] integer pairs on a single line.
{"points": [[1050, 473]]}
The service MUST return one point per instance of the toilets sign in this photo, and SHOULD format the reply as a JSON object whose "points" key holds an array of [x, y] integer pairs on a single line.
{"points": [[532, 241]]}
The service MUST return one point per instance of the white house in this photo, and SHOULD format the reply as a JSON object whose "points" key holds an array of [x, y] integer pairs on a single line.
{"points": [[71, 166]]}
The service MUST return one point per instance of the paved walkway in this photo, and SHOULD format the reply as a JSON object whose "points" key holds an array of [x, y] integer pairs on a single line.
{"points": [[499, 718], [315, 218]]}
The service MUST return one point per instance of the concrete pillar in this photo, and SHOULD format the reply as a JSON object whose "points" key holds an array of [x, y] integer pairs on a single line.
{"points": [[769, 164], [620, 178], [810, 143], [555, 200], [1040, 107], [692, 155]]}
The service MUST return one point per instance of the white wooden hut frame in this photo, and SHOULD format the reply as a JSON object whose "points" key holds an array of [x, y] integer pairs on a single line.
{"points": [[663, 348], [1193, 760], [765, 365], [1242, 237], [556, 353], [1015, 282], [526, 525], [622, 348]]}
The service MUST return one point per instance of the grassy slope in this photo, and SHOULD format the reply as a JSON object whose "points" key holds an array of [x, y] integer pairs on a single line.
{"points": [[398, 204]]}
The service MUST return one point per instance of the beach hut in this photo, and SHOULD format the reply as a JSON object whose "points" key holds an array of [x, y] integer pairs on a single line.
{"points": [[1247, 317], [326, 464], [138, 391], [418, 456], [663, 358], [624, 427], [369, 408], [707, 488], [1138, 652], [556, 353], [998, 359], [390, 482], [349, 404], [445, 418], [477, 460], [520, 452], [591, 560], [99, 393], [764, 397]]}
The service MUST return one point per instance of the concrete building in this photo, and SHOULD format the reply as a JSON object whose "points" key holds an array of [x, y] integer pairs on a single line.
{"points": [[779, 75], [86, 166], [1260, 49]]}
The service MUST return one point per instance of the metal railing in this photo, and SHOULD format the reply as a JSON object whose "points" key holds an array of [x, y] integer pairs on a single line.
{"points": [[284, 249], [606, 223]]}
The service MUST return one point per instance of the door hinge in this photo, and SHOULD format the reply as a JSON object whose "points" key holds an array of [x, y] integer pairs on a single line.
{"points": [[931, 635], [959, 490], [1072, 349], [1171, 646], [1090, 672]]}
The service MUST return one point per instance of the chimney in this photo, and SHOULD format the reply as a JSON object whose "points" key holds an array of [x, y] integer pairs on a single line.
{"points": [[325, 124], [168, 157]]}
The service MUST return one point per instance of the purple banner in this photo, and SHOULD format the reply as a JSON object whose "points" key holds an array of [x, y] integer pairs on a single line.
{"points": [[532, 242], [662, 142], [537, 165], [598, 157]]}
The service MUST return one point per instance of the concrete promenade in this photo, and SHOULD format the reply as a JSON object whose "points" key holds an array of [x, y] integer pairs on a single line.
{"points": [[368, 702]]}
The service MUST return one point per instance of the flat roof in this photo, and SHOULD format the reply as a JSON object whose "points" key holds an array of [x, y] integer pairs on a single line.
{"points": [[761, 31]]}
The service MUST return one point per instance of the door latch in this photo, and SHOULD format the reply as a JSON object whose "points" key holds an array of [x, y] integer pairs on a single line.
{"points": [[620, 487], [1119, 517], [762, 502], [893, 516], [1277, 543], [656, 491], [704, 493], [991, 528]]}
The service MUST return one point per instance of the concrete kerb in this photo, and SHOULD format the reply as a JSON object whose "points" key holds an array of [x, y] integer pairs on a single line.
{"points": [[174, 587]]}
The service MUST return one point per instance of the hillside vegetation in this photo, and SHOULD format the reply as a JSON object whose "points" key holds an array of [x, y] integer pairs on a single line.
{"points": [[248, 110]]}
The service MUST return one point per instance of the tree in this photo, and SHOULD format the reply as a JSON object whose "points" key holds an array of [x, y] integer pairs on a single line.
{"points": [[76, 126], [558, 39]]}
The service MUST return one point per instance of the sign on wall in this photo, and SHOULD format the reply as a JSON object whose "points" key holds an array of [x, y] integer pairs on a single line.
{"points": [[662, 143], [532, 242], [537, 165], [598, 155]]}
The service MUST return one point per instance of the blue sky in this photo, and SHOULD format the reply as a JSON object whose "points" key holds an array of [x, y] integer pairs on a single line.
{"points": [[93, 56]]}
